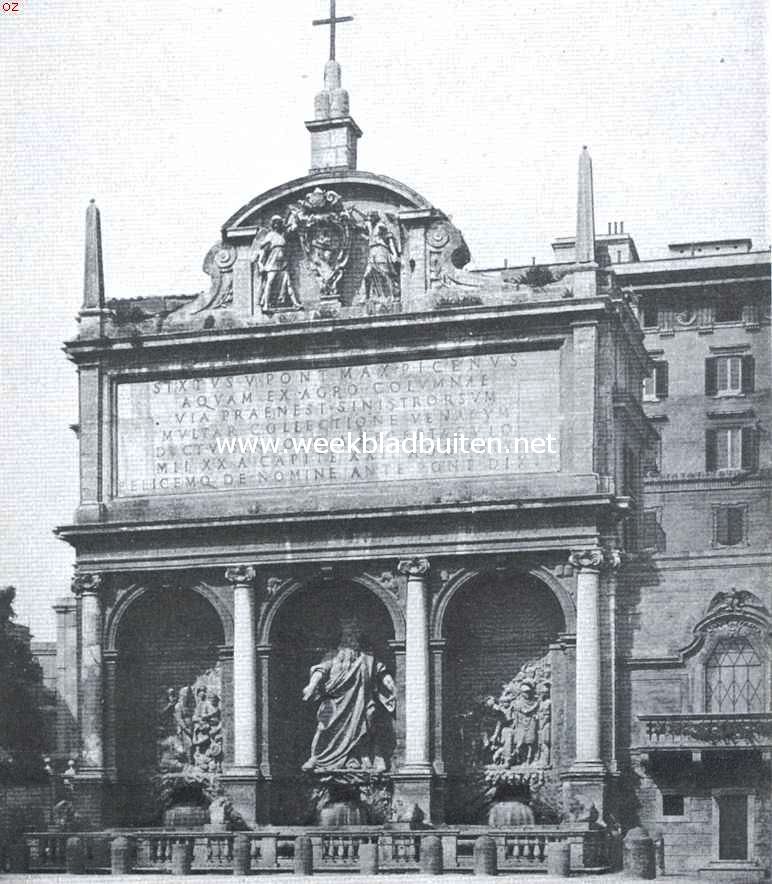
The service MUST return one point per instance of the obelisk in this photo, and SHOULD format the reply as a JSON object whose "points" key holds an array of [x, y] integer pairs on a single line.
{"points": [[585, 278]]}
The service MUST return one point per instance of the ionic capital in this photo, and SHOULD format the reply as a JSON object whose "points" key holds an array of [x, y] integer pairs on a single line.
{"points": [[413, 567], [595, 559], [241, 575], [86, 582]]}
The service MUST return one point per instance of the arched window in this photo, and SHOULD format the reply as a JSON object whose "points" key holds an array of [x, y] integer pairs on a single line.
{"points": [[734, 677]]}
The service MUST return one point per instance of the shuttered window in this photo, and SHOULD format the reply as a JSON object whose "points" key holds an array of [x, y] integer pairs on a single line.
{"points": [[653, 535], [656, 385], [730, 525], [731, 448], [729, 375]]}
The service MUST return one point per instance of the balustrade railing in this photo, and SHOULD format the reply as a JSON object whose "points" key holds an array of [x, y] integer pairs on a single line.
{"points": [[706, 730], [522, 849]]}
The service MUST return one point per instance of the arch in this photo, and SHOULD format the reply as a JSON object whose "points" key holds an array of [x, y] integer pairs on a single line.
{"points": [[167, 647], [541, 573], [501, 638], [405, 194], [384, 595], [136, 591], [302, 630]]}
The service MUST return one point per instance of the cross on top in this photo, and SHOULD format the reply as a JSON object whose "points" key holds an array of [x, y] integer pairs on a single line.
{"points": [[332, 21]]}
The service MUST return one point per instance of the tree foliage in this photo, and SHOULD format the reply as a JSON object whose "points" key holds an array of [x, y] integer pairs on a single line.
{"points": [[21, 727], [537, 277]]}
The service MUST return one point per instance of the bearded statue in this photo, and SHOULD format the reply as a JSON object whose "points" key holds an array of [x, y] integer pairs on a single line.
{"points": [[357, 701]]}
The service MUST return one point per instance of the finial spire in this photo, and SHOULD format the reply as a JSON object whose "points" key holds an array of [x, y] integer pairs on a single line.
{"points": [[334, 134], [332, 21], [93, 276], [585, 211]]}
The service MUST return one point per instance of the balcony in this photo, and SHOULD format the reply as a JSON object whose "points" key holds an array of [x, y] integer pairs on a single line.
{"points": [[693, 733]]}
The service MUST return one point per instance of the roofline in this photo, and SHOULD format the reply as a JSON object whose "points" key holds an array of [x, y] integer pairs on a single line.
{"points": [[709, 242], [690, 262]]}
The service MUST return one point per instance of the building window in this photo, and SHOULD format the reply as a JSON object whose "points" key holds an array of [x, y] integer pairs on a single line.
{"points": [[731, 448], [672, 805], [729, 375], [655, 386], [653, 535], [629, 534], [649, 315], [732, 826], [729, 524], [630, 469], [729, 309], [734, 676], [652, 456]]}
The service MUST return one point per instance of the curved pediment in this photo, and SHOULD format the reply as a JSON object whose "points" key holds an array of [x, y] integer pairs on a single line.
{"points": [[337, 243], [362, 187]]}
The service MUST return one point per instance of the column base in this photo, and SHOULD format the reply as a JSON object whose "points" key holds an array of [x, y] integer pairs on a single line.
{"points": [[412, 802], [246, 788], [585, 787], [92, 799]]}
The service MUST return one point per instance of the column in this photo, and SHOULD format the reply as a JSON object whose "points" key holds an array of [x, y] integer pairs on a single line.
{"points": [[589, 564], [265, 709], [417, 715], [87, 586], [438, 666], [67, 676], [242, 577]]}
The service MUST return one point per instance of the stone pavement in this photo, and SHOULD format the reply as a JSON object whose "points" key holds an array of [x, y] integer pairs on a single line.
{"points": [[341, 878]]}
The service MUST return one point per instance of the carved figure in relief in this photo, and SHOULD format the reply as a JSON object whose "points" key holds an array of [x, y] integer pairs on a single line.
{"points": [[189, 726], [275, 289], [545, 724], [515, 728], [357, 699], [493, 731], [524, 713], [207, 731], [381, 281]]}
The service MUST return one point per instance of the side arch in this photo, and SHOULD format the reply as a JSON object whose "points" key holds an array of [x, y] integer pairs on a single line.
{"points": [[562, 595], [136, 591]]}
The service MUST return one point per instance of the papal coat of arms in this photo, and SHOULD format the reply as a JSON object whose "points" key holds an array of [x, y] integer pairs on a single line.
{"points": [[325, 228]]}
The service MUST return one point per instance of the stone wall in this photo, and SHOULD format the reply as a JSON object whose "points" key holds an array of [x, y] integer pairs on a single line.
{"points": [[26, 807]]}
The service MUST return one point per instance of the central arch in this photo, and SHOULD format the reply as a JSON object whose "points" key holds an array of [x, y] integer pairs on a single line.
{"points": [[305, 627]]}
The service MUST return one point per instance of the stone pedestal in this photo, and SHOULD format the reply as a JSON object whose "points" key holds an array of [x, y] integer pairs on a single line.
{"points": [[92, 799], [245, 789]]}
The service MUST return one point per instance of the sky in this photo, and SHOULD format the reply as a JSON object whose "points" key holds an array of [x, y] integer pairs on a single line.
{"points": [[172, 115]]}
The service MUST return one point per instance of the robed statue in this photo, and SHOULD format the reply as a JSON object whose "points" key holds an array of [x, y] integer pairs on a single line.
{"points": [[381, 280], [357, 701], [275, 290]]}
